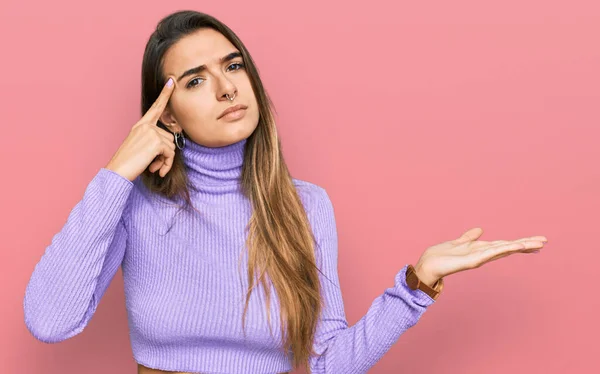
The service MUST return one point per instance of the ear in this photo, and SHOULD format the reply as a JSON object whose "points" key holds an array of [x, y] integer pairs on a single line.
{"points": [[168, 120]]}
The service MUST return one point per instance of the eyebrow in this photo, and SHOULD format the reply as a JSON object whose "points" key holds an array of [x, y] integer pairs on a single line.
{"points": [[201, 68]]}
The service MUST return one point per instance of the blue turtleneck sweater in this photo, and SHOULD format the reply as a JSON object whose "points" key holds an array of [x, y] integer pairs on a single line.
{"points": [[183, 289]]}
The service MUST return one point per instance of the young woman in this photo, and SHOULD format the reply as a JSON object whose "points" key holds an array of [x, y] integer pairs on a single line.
{"points": [[229, 263]]}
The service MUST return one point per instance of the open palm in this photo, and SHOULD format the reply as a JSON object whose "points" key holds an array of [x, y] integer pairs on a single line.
{"points": [[467, 253]]}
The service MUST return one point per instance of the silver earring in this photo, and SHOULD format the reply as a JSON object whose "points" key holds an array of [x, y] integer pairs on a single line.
{"points": [[179, 135]]}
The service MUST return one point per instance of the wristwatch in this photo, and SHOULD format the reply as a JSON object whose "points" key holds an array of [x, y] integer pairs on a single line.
{"points": [[413, 281]]}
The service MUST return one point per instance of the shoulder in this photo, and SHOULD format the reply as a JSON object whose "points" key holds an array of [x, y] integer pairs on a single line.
{"points": [[147, 204], [314, 197], [321, 216]]}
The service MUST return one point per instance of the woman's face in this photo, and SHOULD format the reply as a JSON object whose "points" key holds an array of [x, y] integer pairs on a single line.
{"points": [[199, 97]]}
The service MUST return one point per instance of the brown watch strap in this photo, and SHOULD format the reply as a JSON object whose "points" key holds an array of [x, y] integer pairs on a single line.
{"points": [[413, 281]]}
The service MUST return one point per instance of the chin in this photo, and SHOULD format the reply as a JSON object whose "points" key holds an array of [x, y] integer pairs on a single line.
{"points": [[242, 129]]}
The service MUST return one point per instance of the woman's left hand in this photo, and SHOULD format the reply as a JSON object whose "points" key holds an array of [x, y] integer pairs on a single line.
{"points": [[467, 253]]}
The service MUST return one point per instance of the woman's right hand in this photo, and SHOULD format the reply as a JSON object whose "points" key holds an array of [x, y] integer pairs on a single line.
{"points": [[145, 142]]}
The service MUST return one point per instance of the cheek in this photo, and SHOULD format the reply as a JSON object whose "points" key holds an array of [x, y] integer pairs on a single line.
{"points": [[190, 109], [251, 97], [248, 87]]}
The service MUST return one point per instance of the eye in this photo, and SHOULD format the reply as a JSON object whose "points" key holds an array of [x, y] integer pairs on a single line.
{"points": [[190, 85], [239, 64]]}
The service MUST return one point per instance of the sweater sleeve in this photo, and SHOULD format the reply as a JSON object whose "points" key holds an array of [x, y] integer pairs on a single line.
{"points": [[355, 349], [76, 268]]}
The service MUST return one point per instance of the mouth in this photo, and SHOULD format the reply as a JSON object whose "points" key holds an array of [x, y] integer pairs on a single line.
{"points": [[233, 112]]}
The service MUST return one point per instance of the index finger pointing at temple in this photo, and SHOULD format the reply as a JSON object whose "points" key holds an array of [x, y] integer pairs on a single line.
{"points": [[153, 114]]}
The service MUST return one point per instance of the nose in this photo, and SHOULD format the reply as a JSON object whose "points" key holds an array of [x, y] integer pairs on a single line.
{"points": [[226, 88]]}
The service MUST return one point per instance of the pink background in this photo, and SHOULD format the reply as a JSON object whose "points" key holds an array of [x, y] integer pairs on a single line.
{"points": [[421, 119]]}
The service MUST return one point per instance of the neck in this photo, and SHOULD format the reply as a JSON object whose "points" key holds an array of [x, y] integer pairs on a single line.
{"points": [[214, 168]]}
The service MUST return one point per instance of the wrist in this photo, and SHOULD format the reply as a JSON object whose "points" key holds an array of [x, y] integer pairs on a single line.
{"points": [[414, 282], [424, 275]]}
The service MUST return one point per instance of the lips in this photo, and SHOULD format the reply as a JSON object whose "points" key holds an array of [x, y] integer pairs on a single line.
{"points": [[232, 109]]}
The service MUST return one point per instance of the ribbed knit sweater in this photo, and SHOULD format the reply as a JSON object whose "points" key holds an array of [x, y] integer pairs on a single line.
{"points": [[183, 289]]}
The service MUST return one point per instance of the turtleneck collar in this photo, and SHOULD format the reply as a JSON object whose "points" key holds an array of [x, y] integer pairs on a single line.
{"points": [[214, 168]]}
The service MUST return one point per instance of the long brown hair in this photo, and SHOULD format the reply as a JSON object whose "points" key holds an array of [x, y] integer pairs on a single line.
{"points": [[280, 240]]}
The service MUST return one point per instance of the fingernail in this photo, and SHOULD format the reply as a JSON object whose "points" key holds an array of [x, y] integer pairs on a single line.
{"points": [[170, 82]]}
